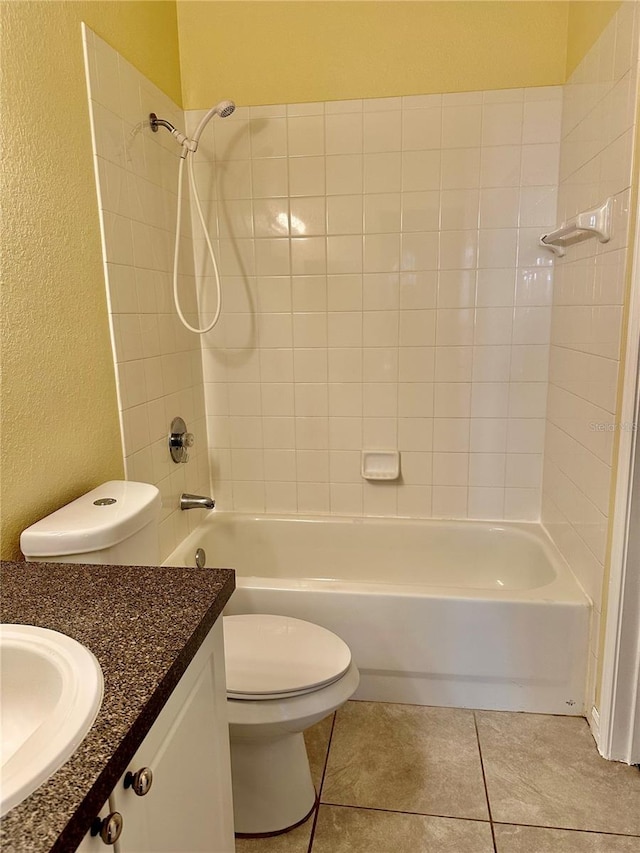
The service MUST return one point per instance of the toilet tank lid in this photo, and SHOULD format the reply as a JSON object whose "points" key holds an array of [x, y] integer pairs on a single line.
{"points": [[122, 509]]}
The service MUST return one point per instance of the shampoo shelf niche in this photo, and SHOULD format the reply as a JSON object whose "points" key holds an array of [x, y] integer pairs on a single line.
{"points": [[596, 222]]}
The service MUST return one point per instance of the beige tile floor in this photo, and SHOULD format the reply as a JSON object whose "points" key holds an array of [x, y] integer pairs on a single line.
{"points": [[409, 779]]}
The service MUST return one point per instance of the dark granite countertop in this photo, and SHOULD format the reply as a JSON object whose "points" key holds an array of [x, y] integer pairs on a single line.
{"points": [[144, 624]]}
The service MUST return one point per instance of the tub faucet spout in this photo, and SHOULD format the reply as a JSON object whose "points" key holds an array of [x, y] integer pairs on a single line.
{"points": [[196, 502]]}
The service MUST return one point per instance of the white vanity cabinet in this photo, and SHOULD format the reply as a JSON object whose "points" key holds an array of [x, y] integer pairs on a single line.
{"points": [[188, 806]]}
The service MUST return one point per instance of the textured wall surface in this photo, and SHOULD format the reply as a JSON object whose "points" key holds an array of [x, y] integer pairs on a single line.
{"points": [[287, 52], [59, 414]]}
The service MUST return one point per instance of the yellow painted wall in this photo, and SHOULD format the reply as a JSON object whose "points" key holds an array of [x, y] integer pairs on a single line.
{"points": [[60, 431], [587, 19], [277, 52]]}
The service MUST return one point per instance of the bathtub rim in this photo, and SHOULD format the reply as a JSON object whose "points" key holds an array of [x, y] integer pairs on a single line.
{"points": [[563, 588]]}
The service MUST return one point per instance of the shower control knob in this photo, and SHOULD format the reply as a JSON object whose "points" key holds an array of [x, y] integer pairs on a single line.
{"points": [[188, 440], [109, 829], [140, 782], [180, 440]]}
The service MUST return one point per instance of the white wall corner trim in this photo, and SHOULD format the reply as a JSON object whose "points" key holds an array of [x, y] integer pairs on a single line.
{"points": [[620, 703]]}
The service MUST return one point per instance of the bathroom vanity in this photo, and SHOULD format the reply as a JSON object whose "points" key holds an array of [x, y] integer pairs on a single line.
{"points": [[156, 634]]}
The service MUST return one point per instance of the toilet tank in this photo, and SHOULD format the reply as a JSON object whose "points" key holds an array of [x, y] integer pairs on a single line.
{"points": [[116, 523]]}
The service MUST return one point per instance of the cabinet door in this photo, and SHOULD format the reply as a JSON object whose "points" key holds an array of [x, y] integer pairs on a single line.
{"points": [[188, 808]]}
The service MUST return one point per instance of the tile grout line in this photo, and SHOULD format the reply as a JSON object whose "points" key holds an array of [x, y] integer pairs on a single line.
{"points": [[567, 829], [399, 811], [484, 780], [324, 772]]}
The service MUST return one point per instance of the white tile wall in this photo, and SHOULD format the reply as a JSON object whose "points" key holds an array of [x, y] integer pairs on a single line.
{"points": [[598, 126], [158, 363], [383, 287]]}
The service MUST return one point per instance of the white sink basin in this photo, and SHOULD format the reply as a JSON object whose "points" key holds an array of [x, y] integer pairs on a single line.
{"points": [[50, 692]]}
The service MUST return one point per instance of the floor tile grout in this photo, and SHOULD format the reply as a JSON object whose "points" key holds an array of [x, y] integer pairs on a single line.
{"points": [[399, 811], [484, 780], [566, 829], [477, 820], [324, 771]]}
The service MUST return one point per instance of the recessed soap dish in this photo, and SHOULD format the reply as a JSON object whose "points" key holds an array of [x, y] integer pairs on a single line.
{"points": [[380, 464]]}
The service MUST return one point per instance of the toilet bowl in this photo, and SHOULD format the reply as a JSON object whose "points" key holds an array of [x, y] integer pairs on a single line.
{"points": [[283, 675]]}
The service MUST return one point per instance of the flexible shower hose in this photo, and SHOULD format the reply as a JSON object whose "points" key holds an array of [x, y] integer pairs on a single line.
{"points": [[176, 253]]}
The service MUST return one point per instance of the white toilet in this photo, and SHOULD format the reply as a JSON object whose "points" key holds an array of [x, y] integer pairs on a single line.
{"points": [[283, 674]]}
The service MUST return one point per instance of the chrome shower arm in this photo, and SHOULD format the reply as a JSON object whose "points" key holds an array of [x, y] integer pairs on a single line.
{"points": [[156, 122], [187, 144]]}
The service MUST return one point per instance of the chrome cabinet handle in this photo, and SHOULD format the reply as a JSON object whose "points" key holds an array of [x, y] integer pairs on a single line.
{"points": [[109, 829], [140, 781]]}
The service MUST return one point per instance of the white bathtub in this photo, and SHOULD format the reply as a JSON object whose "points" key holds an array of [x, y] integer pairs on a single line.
{"points": [[462, 614]]}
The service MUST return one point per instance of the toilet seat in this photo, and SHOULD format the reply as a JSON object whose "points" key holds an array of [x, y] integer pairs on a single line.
{"points": [[275, 657]]}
